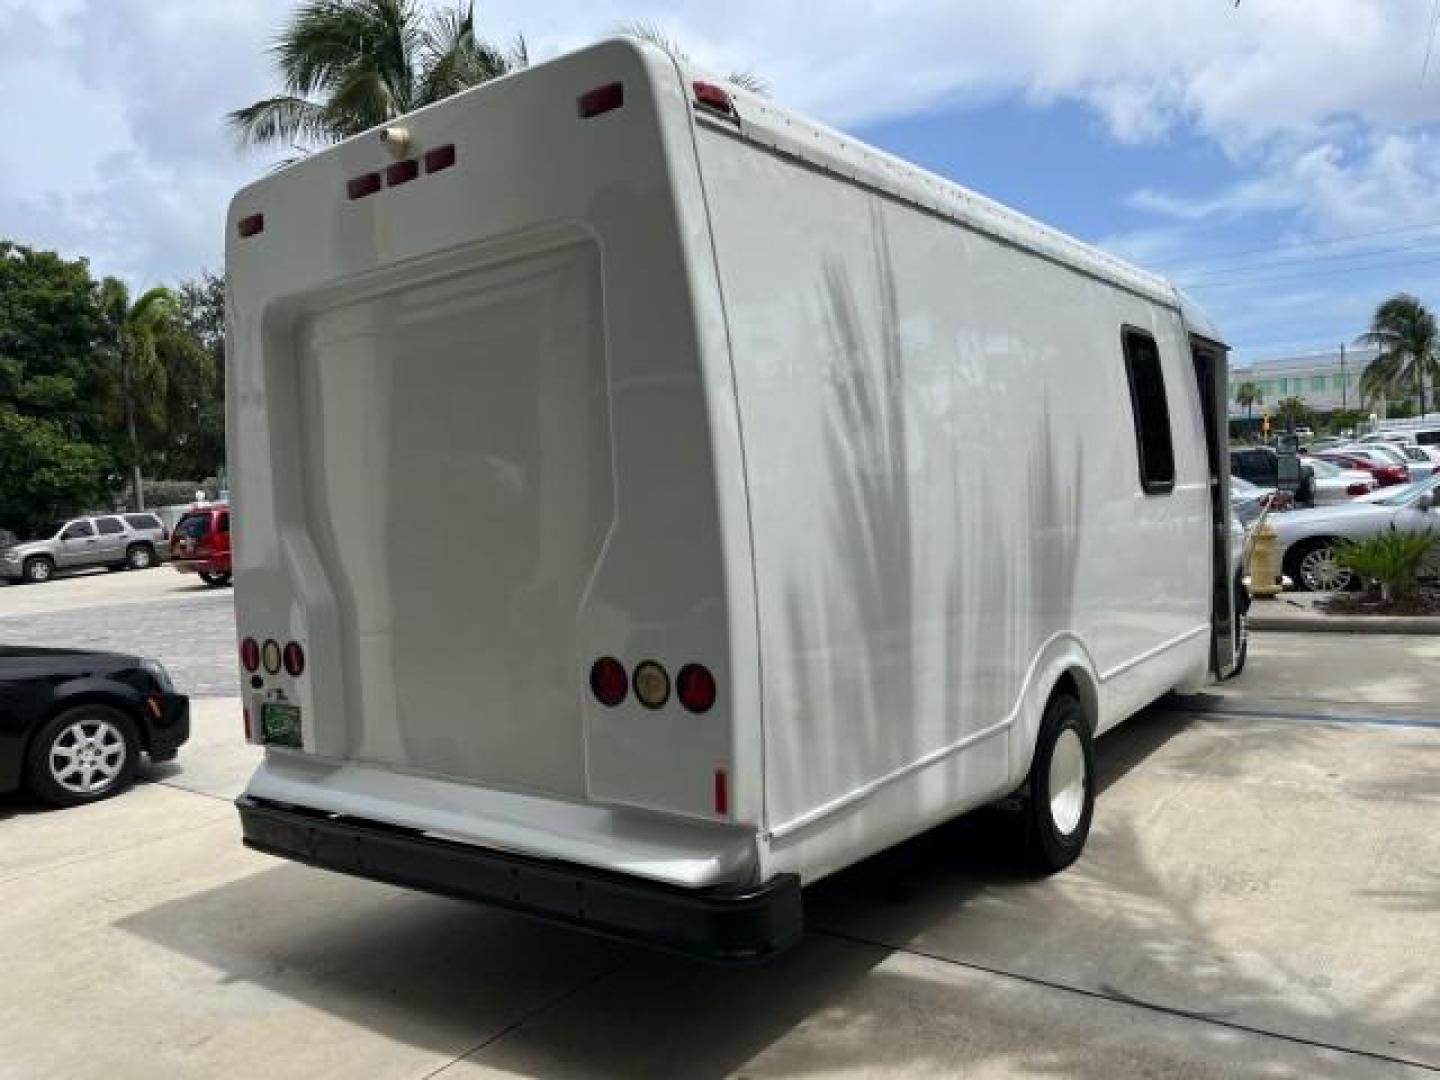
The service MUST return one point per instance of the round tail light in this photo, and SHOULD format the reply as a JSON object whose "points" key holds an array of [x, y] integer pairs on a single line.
{"points": [[250, 654], [608, 681], [652, 684], [294, 658], [695, 687]]}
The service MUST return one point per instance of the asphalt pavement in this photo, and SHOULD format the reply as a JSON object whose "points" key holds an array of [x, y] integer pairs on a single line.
{"points": [[1259, 898]]}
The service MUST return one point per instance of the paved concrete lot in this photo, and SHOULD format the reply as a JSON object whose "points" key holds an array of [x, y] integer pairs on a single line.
{"points": [[161, 613], [1261, 896]]}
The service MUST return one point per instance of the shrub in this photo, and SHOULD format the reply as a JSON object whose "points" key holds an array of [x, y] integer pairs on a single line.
{"points": [[1393, 558]]}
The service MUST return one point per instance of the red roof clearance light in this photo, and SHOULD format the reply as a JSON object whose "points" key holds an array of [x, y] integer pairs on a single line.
{"points": [[442, 157], [402, 172], [364, 184], [602, 99], [249, 226], [695, 687], [714, 97], [608, 681]]}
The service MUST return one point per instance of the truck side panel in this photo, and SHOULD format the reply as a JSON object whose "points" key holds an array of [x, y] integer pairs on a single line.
{"points": [[943, 480]]}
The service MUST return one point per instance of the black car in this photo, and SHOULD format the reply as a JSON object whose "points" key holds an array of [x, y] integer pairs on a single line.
{"points": [[73, 723]]}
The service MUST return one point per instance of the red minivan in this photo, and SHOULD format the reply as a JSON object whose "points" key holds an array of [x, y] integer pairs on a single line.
{"points": [[200, 544]]}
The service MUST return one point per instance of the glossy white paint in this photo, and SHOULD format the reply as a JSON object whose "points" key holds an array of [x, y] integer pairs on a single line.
{"points": [[667, 385]]}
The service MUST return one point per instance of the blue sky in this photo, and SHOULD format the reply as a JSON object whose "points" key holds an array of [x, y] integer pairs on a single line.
{"points": [[1183, 134]]}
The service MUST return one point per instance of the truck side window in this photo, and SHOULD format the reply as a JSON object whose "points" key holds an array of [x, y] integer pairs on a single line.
{"points": [[1152, 414]]}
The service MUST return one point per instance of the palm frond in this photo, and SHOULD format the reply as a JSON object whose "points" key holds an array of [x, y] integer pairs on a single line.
{"points": [[362, 102], [649, 31], [281, 119], [454, 58]]}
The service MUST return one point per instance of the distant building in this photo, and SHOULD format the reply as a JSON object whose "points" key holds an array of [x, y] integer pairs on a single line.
{"points": [[1316, 377]]}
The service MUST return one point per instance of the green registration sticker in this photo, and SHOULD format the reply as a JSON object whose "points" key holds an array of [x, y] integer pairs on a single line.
{"points": [[280, 724]]}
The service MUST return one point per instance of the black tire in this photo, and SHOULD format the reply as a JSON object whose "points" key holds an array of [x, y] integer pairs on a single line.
{"points": [[1242, 626], [139, 556], [112, 567], [57, 734], [39, 568], [1299, 552], [1050, 847], [215, 581]]}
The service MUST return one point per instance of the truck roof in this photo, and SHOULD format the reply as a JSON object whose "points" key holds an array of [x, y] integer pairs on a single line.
{"points": [[792, 134]]}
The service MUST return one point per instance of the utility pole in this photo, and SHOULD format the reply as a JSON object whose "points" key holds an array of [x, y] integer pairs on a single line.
{"points": [[1344, 388]]}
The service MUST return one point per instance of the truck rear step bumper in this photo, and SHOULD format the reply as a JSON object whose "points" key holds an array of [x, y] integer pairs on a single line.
{"points": [[718, 924]]}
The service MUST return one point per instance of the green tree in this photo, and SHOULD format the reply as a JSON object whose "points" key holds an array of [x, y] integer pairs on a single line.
{"points": [[1247, 396], [202, 314], [350, 65], [1404, 331], [163, 375], [47, 473], [54, 453], [1290, 412]]}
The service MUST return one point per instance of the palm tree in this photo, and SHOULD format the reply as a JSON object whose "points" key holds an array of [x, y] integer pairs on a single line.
{"points": [[157, 363], [1290, 411], [1404, 331], [1247, 396], [351, 65]]}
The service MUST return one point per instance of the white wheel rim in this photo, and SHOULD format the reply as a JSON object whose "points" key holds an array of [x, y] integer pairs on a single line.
{"points": [[1321, 571], [41, 571], [87, 757], [1067, 782]]}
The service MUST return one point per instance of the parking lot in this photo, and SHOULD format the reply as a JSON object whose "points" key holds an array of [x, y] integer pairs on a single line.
{"points": [[1261, 896]]}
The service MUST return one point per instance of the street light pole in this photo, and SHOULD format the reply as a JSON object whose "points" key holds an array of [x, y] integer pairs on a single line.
{"points": [[1343, 385]]}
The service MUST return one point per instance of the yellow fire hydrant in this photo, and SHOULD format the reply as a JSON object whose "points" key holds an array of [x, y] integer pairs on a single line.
{"points": [[1264, 566]]}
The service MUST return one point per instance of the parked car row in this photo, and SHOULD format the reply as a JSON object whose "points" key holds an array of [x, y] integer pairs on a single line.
{"points": [[200, 545], [115, 541]]}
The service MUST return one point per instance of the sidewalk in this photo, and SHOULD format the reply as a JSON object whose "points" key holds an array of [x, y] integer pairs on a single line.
{"points": [[1298, 611]]}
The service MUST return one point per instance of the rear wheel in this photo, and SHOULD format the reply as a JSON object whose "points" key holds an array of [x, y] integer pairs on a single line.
{"points": [[1314, 567], [139, 557], [83, 755], [39, 568], [215, 581], [1060, 796]]}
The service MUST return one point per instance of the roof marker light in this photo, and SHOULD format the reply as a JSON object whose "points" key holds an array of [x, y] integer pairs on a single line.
{"points": [[362, 185], [714, 97], [442, 157], [249, 226], [402, 172], [602, 99]]}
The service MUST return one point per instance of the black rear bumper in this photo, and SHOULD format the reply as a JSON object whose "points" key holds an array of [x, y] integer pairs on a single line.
{"points": [[726, 925]]}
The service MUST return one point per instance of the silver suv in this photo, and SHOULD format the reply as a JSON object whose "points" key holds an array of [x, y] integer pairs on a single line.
{"points": [[115, 541]]}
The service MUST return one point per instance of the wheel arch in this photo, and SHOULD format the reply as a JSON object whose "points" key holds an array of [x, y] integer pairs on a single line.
{"points": [[90, 692], [1063, 664]]}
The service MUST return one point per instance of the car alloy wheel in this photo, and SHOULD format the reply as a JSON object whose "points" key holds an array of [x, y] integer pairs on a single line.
{"points": [[1322, 572], [88, 756]]}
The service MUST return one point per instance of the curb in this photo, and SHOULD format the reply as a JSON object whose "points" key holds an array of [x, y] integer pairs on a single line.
{"points": [[1259, 619]]}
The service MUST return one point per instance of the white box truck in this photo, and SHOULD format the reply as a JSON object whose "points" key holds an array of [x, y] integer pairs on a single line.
{"points": [[649, 501]]}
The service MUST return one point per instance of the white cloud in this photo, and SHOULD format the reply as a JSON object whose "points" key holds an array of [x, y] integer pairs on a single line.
{"points": [[115, 148]]}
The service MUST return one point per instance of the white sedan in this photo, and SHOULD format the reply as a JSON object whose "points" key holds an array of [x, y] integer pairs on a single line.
{"points": [[1307, 539], [1336, 485]]}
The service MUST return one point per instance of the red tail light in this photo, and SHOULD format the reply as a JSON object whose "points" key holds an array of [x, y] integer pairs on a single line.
{"points": [[722, 792], [1357, 488], [294, 658], [249, 226], [695, 687], [608, 681], [250, 654], [602, 99]]}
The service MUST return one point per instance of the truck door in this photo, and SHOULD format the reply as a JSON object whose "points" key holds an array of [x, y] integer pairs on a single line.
{"points": [[1211, 376]]}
